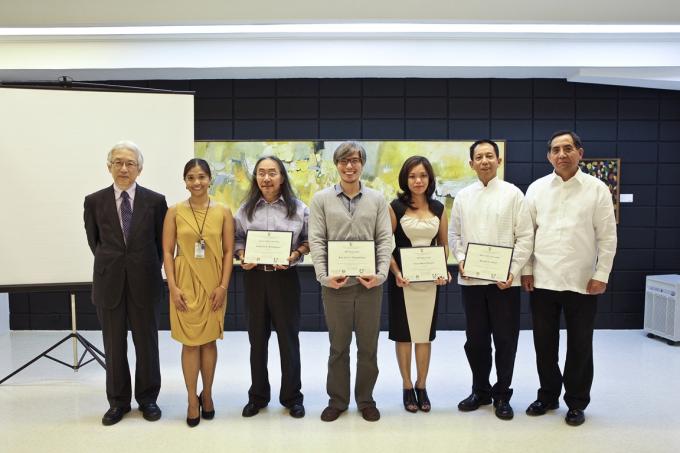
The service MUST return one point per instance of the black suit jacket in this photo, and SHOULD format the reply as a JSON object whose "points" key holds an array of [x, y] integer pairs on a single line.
{"points": [[138, 262]]}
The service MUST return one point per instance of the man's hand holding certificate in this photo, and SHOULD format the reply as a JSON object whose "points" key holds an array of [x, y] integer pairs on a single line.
{"points": [[351, 258], [488, 262], [268, 247]]}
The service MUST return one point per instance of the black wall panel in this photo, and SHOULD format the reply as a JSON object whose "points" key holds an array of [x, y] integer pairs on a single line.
{"points": [[640, 126]]}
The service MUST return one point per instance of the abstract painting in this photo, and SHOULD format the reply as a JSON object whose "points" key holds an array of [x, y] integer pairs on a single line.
{"points": [[607, 170]]}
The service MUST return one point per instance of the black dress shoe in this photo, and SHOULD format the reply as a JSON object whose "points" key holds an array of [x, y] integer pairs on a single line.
{"points": [[503, 410], [330, 414], [538, 407], [208, 415], [370, 413], [575, 417], [150, 411], [472, 402], [114, 415], [252, 409], [297, 410]]}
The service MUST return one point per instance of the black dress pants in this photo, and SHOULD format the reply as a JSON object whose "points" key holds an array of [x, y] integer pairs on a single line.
{"points": [[491, 312], [143, 322], [273, 298], [579, 315]]}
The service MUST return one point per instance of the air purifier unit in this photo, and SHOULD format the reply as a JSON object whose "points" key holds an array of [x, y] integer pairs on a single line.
{"points": [[662, 307]]}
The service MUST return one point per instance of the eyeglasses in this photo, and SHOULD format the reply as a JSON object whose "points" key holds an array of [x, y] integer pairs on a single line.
{"points": [[118, 164], [354, 161], [271, 174]]}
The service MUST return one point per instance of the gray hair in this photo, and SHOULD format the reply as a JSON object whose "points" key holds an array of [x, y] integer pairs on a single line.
{"points": [[126, 144], [346, 148]]}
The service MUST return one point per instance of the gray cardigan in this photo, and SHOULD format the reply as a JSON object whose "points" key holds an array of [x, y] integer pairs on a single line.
{"points": [[329, 219]]}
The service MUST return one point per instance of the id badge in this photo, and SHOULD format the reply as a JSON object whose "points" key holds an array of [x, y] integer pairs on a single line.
{"points": [[199, 249]]}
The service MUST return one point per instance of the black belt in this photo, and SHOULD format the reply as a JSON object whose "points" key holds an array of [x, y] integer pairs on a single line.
{"points": [[265, 267]]}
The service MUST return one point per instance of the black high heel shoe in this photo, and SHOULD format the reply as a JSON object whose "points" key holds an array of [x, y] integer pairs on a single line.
{"points": [[423, 401], [410, 403], [195, 421], [208, 415]]}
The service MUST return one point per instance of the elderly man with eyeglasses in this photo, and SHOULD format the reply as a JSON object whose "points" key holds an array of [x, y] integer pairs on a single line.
{"points": [[124, 226]]}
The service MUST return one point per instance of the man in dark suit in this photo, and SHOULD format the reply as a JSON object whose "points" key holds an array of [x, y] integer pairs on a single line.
{"points": [[124, 224]]}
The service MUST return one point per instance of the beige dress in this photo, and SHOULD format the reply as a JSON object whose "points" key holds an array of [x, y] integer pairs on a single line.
{"points": [[198, 277], [419, 297]]}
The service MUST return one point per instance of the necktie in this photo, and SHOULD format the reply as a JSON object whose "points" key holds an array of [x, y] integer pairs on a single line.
{"points": [[125, 213]]}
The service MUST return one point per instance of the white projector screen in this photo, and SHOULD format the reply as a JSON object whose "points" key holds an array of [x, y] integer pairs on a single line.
{"points": [[54, 145]]}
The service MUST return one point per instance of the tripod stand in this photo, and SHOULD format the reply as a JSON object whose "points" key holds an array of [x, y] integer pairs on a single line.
{"points": [[77, 338]]}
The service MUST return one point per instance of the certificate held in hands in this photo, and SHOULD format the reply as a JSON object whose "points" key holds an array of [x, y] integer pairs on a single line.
{"points": [[487, 262], [423, 264], [268, 247], [351, 258]]}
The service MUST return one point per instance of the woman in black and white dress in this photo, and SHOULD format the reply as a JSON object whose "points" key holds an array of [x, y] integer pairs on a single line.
{"points": [[417, 220]]}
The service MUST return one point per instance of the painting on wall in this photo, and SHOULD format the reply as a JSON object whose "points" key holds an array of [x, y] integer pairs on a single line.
{"points": [[310, 166], [607, 170]]}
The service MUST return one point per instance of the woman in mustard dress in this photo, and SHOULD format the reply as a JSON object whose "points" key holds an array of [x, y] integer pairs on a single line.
{"points": [[198, 243]]}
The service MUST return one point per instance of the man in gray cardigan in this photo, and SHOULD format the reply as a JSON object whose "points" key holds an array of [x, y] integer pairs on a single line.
{"points": [[350, 211]]}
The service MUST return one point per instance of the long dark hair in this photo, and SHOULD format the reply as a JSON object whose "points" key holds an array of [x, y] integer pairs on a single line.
{"points": [[254, 194], [405, 196]]}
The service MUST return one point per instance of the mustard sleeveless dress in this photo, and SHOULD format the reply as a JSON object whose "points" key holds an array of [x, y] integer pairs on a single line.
{"points": [[197, 278]]}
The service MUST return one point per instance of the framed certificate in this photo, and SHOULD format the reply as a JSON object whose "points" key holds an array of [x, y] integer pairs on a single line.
{"points": [[268, 247], [487, 262], [423, 264], [351, 258]]}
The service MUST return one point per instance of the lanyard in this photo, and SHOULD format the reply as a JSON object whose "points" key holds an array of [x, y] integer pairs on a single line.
{"points": [[200, 229]]}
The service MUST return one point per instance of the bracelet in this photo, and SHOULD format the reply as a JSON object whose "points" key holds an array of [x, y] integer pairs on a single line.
{"points": [[222, 286]]}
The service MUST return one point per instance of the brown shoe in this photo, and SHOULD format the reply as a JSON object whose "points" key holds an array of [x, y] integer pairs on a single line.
{"points": [[370, 413], [330, 414]]}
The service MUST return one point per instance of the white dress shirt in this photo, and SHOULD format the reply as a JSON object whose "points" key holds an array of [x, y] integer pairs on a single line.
{"points": [[493, 214], [575, 232]]}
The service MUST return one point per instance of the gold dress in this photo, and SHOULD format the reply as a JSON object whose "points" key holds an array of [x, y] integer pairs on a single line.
{"points": [[198, 277]]}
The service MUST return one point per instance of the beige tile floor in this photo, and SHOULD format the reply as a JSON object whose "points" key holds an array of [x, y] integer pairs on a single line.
{"points": [[635, 408]]}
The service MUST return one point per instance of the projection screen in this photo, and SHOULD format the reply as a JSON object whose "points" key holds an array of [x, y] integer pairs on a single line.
{"points": [[53, 145]]}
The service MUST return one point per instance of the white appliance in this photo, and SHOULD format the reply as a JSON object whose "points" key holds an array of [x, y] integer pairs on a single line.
{"points": [[662, 307]]}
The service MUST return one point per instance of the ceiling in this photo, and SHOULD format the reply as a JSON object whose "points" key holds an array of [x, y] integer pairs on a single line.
{"points": [[83, 13], [588, 41]]}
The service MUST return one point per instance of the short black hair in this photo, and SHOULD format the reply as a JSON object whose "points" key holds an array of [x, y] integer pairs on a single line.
{"points": [[575, 138], [479, 142], [203, 164]]}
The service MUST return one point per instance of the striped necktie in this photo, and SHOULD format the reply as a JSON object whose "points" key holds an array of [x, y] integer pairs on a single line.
{"points": [[125, 213]]}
